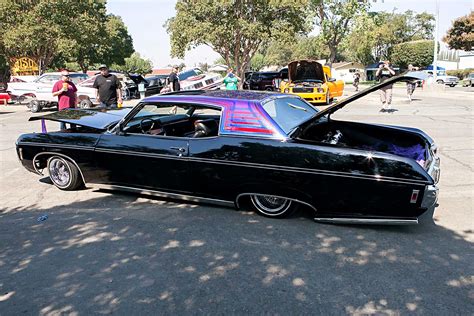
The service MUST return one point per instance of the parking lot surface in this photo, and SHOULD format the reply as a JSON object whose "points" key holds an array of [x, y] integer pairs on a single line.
{"points": [[101, 252]]}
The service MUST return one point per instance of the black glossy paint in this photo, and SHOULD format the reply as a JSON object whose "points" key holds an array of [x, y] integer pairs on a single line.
{"points": [[336, 180]]}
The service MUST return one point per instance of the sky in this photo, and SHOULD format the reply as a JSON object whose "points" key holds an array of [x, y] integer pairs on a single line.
{"points": [[145, 20]]}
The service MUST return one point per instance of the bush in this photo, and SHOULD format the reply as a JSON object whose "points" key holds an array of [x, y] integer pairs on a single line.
{"points": [[460, 73], [417, 53]]}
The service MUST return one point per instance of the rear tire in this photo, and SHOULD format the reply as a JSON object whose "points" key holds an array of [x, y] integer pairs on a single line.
{"points": [[272, 206], [35, 106], [64, 174], [85, 104]]}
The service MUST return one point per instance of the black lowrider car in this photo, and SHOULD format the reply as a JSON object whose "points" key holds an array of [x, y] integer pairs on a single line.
{"points": [[273, 151]]}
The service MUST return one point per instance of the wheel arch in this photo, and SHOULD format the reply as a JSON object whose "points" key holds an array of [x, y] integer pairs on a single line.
{"points": [[239, 197], [44, 157]]}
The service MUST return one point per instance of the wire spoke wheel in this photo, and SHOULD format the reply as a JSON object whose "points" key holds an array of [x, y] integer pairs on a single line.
{"points": [[272, 206]]}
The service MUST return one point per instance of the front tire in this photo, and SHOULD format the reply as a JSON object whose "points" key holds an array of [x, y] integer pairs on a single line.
{"points": [[272, 206], [64, 174], [440, 81], [35, 106]]}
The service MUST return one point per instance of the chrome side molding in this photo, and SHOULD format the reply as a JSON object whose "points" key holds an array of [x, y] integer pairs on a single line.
{"points": [[366, 221], [161, 194]]}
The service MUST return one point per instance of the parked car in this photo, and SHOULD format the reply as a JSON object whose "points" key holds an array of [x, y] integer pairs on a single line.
{"points": [[312, 81], [469, 80], [443, 78], [261, 81], [39, 91], [269, 151], [196, 79]]}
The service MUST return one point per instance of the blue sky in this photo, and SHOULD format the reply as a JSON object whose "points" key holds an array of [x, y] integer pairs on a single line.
{"points": [[145, 20]]}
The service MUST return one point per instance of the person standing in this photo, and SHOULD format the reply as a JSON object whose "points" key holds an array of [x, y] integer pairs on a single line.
{"points": [[231, 81], [411, 85], [356, 81], [108, 88], [384, 72], [66, 92], [173, 80]]}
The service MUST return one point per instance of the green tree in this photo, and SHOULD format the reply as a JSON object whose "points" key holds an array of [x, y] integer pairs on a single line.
{"points": [[234, 28], [257, 62], [46, 30], [375, 33], [135, 64], [461, 34], [418, 53], [334, 19]]}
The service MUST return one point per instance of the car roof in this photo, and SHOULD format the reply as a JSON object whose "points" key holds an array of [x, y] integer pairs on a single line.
{"points": [[209, 96], [59, 73]]}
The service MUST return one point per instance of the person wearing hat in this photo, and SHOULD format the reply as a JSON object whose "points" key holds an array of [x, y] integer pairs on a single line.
{"points": [[173, 80], [108, 88]]}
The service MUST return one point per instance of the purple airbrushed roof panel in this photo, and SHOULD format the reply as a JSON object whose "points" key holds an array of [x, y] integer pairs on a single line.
{"points": [[242, 112]]}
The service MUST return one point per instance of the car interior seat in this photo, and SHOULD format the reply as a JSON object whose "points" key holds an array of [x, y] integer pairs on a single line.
{"points": [[203, 128]]}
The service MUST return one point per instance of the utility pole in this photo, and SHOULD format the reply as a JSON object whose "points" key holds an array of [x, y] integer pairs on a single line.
{"points": [[435, 53]]}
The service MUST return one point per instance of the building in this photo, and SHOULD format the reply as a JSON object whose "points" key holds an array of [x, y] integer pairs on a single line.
{"points": [[345, 71]]}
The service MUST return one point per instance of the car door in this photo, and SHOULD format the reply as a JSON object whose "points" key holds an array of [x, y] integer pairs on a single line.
{"points": [[44, 87], [144, 161]]}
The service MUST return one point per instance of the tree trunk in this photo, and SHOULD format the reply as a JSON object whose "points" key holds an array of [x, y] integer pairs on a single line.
{"points": [[332, 55]]}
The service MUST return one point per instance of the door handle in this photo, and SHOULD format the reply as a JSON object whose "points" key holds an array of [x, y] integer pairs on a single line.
{"points": [[180, 149]]}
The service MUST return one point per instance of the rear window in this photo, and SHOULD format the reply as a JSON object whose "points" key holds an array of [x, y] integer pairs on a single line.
{"points": [[289, 113]]}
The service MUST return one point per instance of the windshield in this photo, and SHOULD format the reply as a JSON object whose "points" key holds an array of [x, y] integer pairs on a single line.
{"points": [[189, 73], [289, 113]]}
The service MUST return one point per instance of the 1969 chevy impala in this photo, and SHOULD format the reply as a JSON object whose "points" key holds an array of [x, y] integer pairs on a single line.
{"points": [[273, 152]]}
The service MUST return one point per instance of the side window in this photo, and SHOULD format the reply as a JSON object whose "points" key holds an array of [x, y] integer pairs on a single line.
{"points": [[49, 79], [180, 120]]}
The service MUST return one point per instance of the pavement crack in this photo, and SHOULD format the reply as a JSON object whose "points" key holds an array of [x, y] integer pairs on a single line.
{"points": [[458, 161]]}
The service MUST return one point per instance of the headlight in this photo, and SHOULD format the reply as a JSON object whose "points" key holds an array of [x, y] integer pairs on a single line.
{"points": [[286, 90], [320, 90]]}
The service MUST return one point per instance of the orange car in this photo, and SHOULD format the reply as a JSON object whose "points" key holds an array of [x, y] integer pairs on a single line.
{"points": [[312, 81]]}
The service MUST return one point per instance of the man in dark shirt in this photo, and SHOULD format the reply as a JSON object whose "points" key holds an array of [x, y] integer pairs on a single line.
{"points": [[108, 88], [385, 72], [174, 80]]}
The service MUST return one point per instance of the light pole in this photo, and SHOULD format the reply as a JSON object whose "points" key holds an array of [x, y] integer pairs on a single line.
{"points": [[435, 53]]}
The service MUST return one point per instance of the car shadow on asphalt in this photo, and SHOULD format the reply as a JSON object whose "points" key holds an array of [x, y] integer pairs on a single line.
{"points": [[127, 254]]}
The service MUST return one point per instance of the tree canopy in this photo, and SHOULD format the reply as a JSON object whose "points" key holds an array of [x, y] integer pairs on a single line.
{"points": [[235, 29], [461, 34], [135, 64], [418, 53], [46, 30]]}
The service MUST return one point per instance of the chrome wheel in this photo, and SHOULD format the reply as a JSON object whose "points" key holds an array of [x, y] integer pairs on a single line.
{"points": [[270, 205], [59, 172]]}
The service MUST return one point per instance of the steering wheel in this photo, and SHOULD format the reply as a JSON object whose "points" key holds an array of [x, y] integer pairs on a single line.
{"points": [[151, 126]]}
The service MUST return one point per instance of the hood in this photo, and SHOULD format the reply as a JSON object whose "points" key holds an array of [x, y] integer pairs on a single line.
{"points": [[137, 78], [303, 70], [99, 119], [407, 77]]}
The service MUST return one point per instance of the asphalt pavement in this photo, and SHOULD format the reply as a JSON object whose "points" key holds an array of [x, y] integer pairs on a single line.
{"points": [[101, 252]]}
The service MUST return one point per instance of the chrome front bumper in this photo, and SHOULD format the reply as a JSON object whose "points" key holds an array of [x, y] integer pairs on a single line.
{"points": [[430, 196]]}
